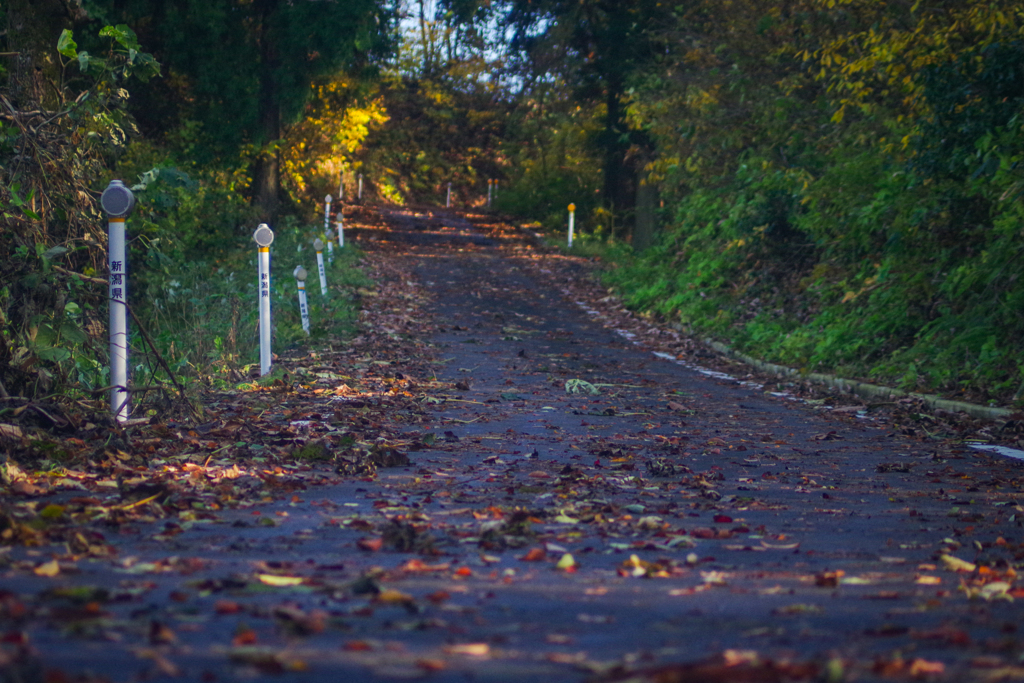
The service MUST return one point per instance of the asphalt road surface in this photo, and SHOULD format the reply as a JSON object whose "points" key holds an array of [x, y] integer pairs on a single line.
{"points": [[580, 509]]}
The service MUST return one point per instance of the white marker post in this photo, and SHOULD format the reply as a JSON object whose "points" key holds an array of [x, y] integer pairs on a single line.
{"points": [[490, 189], [448, 202], [118, 201], [263, 237], [341, 229], [318, 245], [495, 188], [327, 229], [341, 187], [360, 193], [572, 222], [300, 279]]}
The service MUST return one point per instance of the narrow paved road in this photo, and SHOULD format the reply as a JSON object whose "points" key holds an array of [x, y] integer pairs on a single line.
{"points": [[583, 509]]}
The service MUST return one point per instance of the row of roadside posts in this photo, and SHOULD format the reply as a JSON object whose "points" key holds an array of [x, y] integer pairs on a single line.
{"points": [[117, 202], [492, 193]]}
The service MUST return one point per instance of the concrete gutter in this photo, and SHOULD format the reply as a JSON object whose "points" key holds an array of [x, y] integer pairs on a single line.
{"points": [[863, 389]]}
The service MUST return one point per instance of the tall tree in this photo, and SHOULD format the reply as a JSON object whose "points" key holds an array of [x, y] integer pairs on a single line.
{"points": [[243, 68], [600, 45]]}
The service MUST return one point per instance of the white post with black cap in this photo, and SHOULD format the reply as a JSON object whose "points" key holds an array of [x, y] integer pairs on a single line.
{"points": [[318, 245], [263, 237], [327, 229], [118, 201], [300, 279], [341, 187]]}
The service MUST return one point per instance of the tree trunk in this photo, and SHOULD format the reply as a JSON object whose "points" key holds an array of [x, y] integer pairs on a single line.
{"points": [[645, 229], [618, 194], [267, 169]]}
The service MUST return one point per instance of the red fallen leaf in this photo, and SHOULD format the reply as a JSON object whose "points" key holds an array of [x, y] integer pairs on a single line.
{"points": [[723, 519], [920, 668], [246, 637], [25, 488], [705, 533], [431, 664], [437, 597], [538, 474], [226, 607], [357, 646], [829, 579], [534, 555], [370, 544], [949, 635], [728, 667], [463, 571], [415, 565], [161, 634]]}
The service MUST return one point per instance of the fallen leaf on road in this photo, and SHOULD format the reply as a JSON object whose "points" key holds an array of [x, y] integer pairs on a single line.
{"points": [[50, 568], [955, 564], [920, 668], [275, 580], [469, 649], [534, 555], [566, 563], [370, 544]]}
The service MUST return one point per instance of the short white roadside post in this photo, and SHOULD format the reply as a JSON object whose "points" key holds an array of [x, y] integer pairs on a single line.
{"points": [[572, 222], [360, 189], [448, 201], [118, 201], [341, 187], [341, 229], [327, 229], [495, 188], [300, 280], [263, 238], [490, 189], [318, 245]]}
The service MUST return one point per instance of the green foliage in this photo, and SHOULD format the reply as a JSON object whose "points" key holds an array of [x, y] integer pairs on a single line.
{"points": [[53, 150], [206, 310], [870, 227]]}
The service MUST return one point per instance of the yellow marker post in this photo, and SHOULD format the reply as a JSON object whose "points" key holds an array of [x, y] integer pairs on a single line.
{"points": [[572, 222]]}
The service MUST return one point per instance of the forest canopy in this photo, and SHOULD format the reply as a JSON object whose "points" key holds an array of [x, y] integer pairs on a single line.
{"points": [[829, 184]]}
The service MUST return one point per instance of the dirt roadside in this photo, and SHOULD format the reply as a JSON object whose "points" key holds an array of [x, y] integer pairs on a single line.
{"points": [[573, 507]]}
